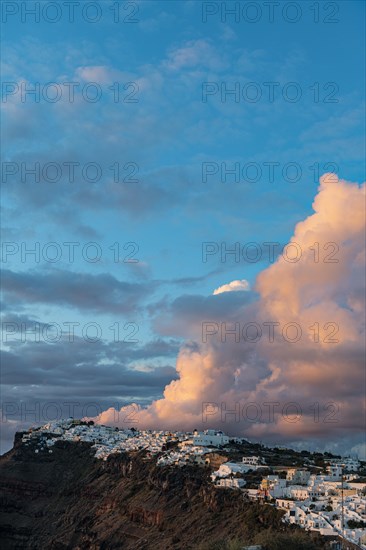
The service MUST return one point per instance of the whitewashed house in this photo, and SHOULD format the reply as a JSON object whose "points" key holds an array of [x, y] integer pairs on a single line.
{"points": [[298, 492], [350, 464], [231, 483], [334, 472], [210, 437], [285, 503], [306, 519], [274, 486], [298, 476], [230, 469], [253, 460], [316, 488]]}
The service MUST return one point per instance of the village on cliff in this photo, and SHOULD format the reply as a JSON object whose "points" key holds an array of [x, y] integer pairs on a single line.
{"points": [[329, 498]]}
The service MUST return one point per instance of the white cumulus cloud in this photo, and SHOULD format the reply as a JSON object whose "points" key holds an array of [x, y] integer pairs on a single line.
{"points": [[234, 286]]}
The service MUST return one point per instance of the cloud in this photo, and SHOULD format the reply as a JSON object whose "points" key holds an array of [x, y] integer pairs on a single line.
{"points": [[185, 315], [42, 380], [195, 53], [359, 450], [99, 73], [234, 286], [8, 429], [321, 375], [98, 293]]}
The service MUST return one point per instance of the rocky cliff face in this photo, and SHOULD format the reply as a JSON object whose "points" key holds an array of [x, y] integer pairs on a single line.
{"points": [[70, 500]]}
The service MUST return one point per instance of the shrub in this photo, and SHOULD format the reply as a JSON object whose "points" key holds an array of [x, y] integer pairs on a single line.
{"points": [[353, 524]]}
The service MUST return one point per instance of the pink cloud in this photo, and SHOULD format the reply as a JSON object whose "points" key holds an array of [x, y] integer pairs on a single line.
{"points": [[330, 371]]}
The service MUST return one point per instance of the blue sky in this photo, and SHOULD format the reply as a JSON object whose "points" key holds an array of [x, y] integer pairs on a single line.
{"points": [[169, 55]]}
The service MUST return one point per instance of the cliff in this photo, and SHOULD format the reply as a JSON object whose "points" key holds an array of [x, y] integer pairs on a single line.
{"points": [[68, 499]]}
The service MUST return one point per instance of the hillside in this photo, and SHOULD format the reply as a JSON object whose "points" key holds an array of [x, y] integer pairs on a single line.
{"points": [[69, 499]]}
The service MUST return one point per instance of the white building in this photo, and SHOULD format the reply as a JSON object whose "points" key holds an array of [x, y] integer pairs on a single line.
{"points": [[230, 469], [316, 487], [350, 464], [253, 494], [334, 472], [298, 476], [210, 437], [308, 520], [231, 483], [274, 486], [298, 492], [285, 503], [253, 460]]}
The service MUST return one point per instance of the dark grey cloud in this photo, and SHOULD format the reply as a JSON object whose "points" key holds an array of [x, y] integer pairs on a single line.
{"points": [[90, 371], [186, 281], [184, 316], [41, 381], [98, 293]]}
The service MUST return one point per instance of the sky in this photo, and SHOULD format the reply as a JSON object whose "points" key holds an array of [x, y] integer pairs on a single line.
{"points": [[183, 217]]}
